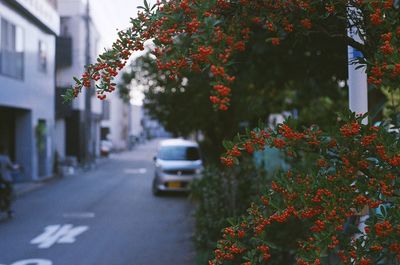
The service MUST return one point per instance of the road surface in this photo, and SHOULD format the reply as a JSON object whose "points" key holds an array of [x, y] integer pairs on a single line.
{"points": [[106, 216]]}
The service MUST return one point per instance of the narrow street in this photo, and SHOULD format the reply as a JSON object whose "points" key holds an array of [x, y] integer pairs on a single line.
{"points": [[106, 216]]}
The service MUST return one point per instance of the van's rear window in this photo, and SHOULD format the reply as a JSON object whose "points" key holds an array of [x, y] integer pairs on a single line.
{"points": [[190, 153]]}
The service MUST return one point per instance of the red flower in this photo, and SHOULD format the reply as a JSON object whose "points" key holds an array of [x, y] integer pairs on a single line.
{"points": [[387, 48], [365, 261], [351, 129], [376, 18], [330, 9], [306, 23], [227, 161], [234, 151], [276, 41], [279, 143], [249, 147], [214, 99], [383, 229], [368, 139], [387, 36], [376, 248], [223, 107]]}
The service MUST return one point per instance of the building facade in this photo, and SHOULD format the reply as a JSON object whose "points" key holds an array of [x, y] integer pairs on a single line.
{"points": [[77, 124], [115, 124], [28, 30]]}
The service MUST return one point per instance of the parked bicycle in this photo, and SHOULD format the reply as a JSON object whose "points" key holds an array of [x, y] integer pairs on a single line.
{"points": [[6, 186], [6, 196]]}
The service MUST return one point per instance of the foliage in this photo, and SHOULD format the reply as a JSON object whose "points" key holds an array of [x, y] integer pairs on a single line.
{"points": [[222, 196], [258, 92], [41, 131], [212, 31], [354, 168], [359, 168], [309, 90]]}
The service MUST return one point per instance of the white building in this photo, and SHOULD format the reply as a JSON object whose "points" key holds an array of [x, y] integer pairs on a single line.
{"points": [[115, 124], [78, 131], [136, 117], [151, 127], [27, 79]]}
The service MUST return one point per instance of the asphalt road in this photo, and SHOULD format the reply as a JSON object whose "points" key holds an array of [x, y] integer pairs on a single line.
{"points": [[106, 216]]}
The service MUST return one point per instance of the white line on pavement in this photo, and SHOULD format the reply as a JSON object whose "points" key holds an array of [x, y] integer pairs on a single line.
{"points": [[54, 234], [77, 215], [33, 262], [135, 171]]}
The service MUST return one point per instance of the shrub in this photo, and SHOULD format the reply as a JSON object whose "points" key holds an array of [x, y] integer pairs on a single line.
{"points": [[352, 170]]}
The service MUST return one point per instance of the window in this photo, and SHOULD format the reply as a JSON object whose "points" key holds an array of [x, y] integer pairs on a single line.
{"points": [[190, 153], [42, 53], [11, 50], [106, 109], [64, 25]]}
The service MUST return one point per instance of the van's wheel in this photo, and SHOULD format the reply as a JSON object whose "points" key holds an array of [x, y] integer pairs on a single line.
{"points": [[10, 214], [155, 190]]}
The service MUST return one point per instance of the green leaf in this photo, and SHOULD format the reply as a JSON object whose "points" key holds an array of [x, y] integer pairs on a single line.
{"points": [[227, 144], [231, 221]]}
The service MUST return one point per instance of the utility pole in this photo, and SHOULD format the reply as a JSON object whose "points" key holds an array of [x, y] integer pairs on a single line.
{"points": [[358, 86], [88, 152]]}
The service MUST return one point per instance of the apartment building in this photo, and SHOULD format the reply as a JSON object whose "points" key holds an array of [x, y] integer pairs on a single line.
{"points": [[77, 123], [28, 31]]}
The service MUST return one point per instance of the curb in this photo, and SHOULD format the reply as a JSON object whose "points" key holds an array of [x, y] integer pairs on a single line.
{"points": [[25, 187]]}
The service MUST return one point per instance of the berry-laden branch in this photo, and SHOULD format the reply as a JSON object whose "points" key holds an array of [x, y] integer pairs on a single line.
{"points": [[210, 32], [354, 168]]}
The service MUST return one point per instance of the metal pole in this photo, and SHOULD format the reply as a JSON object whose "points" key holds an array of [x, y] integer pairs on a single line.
{"points": [[358, 86], [88, 93]]}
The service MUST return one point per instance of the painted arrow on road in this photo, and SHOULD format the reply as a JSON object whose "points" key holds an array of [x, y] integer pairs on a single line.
{"points": [[58, 234]]}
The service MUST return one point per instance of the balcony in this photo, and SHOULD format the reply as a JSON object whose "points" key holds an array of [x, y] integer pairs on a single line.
{"points": [[64, 52]]}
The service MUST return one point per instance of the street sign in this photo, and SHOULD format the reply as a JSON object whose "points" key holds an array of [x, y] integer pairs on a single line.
{"points": [[58, 234]]}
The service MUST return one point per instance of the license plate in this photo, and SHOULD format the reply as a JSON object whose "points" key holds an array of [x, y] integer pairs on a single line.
{"points": [[174, 184]]}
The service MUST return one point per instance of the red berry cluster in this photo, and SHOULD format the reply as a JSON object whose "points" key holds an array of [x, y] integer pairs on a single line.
{"points": [[343, 182]]}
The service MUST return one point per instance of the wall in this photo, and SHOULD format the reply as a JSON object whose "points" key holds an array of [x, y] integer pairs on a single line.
{"points": [[73, 24], [34, 93], [118, 122]]}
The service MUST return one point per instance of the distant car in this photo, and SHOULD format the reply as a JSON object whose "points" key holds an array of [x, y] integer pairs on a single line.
{"points": [[105, 147], [177, 163]]}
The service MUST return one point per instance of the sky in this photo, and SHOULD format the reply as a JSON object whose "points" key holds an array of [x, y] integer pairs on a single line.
{"points": [[110, 15]]}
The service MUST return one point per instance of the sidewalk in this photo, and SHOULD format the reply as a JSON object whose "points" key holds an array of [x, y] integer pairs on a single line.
{"points": [[25, 187], [22, 188]]}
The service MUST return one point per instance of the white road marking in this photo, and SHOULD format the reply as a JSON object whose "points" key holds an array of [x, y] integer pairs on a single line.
{"points": [[135, 171], [71, 236], [82, 215], [33, 262], [54, 234]]}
